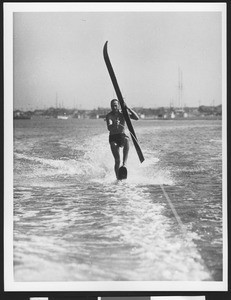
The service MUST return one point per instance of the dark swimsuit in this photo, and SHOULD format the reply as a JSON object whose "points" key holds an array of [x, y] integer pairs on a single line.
{"points": [[118, 138]]}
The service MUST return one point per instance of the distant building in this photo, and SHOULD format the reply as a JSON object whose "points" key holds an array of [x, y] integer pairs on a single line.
{"points": [[21, 115], [185, 115], [172, 116]]}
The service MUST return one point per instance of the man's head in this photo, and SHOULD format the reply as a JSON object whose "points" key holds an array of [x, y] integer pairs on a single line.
{"points": [[114, 105]]}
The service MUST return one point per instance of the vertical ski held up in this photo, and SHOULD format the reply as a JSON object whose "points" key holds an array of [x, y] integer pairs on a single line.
{"points": [[122, 104]]}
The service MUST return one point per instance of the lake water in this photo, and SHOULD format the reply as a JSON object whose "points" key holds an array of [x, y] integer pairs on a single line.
{"points": [[73, 221]]}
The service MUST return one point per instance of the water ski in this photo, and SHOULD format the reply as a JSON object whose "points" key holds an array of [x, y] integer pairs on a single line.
{"points": [[122, 173]]}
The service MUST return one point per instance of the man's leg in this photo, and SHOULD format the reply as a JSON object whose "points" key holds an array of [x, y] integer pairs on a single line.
{"points": [[125, 151], [116, 153]]}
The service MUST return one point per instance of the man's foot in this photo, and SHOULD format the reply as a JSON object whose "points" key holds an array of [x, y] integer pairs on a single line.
{"points": [[122, 174]]}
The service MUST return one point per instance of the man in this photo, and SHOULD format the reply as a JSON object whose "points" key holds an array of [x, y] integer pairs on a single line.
{"points": [[117, 137]]}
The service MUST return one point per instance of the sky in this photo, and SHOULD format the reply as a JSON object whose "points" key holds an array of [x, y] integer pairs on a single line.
{"points": [[58, 58]]}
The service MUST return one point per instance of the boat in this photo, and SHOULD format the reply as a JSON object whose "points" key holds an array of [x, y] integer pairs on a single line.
{"points": [[62, 117]]}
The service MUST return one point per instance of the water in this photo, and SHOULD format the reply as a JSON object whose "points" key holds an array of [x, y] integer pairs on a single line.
{"points": [[74, 222]]}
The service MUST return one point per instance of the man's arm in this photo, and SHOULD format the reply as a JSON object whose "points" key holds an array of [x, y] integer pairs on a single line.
{"points": [[109, 122], [132, 113], [111, 126]]}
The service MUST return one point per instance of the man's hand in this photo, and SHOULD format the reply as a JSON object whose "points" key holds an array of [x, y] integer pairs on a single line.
{"points": [[133, 114], [125, 105]]}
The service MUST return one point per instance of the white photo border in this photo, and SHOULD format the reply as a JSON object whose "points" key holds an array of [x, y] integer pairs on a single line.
{"points": [[9, 283]]}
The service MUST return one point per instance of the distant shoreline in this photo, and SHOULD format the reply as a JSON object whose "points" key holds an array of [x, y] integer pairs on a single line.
{"points": [[207, 118]]}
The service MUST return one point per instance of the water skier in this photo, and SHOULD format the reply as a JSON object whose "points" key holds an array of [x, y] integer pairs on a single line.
{"points": [[117, 137]]}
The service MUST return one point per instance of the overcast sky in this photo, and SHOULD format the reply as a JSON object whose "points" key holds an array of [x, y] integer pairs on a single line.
{"points": [[58, 58]]}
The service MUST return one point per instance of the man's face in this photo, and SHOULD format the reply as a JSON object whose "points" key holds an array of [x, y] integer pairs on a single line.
{"points": [[115, 106]]}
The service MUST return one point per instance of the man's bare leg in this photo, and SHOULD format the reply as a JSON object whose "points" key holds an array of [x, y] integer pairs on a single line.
{"points": [[125, 151], [116, 153]]}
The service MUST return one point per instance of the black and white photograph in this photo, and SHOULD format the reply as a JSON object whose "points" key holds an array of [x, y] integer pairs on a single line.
{"points": [[115, 147]]}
